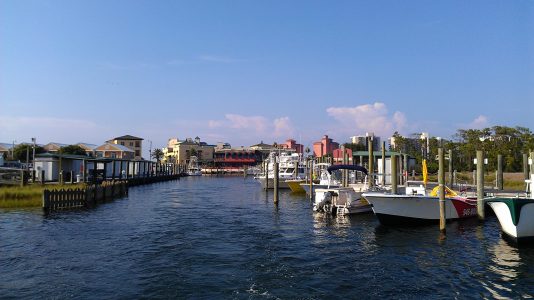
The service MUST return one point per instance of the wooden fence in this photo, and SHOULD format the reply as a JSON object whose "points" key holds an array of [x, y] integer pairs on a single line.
{"points": [[54, 200]]}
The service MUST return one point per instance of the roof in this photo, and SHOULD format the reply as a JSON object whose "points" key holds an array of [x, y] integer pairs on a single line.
{"points": [[128, 137], [77, 157], [112, 147], [6, 145], [87, 145], [58, 144], [262, 145]]}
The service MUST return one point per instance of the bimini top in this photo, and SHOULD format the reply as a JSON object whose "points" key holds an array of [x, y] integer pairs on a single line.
{"points": [[347, 167]]}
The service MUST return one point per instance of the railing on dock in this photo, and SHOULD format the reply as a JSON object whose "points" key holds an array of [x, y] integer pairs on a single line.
{"points": [[64, 199]]}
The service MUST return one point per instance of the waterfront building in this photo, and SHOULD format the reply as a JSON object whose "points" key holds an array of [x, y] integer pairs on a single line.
{"points": [[236, 157], [109, 150], [325, 146], [132, 142], [54, 147], [364, 140], [5, 149], [89, 148], [291, 144], [181, 151]]}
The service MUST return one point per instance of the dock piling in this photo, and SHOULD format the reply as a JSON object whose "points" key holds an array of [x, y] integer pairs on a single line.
{"points": [[394, 174], [441, 182], [384, 164], [371, 160], [451, 177], [275, 182], [480, 185], [500, 177]]}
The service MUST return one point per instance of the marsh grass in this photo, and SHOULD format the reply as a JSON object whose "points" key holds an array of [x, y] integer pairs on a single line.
{"points": [[28, 196]]}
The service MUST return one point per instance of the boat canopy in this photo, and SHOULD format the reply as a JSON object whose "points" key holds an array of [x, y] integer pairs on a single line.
{"points": [[347, 167]]}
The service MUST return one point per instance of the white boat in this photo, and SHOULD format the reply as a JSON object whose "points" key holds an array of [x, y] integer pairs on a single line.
{"points": [[415, 207], [342, 200], [516, 215], [193, 168], [326, 179], [291, 166]]}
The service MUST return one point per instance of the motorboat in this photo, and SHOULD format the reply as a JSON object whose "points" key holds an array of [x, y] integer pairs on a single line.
{"points": [[193, 168], [325, 179], [413, 206], [291, 166], [341, 200], [516, 215]]}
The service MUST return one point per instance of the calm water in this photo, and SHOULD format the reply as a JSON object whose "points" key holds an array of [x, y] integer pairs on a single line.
{"points": [[221, 237]]}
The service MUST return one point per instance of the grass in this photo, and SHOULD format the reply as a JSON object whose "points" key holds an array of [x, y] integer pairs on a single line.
{"points": [[28, 196]]}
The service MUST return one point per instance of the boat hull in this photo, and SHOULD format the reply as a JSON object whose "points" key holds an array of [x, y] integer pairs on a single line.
{"points": [[282, 184], [409, 210], [295, 185], [515, 217], [341, 201]]}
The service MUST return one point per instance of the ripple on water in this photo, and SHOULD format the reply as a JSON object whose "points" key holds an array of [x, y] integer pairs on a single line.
{"points": [[222, 237]]}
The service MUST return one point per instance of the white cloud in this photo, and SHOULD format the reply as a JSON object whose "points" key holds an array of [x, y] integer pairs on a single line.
{"points": [[368, 118], [283, 127], [254, 127], [479, 122]]}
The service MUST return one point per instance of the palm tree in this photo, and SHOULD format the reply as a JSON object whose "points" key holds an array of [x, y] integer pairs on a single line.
{"points": [[157, 154]]}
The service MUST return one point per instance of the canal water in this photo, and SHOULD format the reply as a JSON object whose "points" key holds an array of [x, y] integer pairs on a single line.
{"points": [[222, 237]]}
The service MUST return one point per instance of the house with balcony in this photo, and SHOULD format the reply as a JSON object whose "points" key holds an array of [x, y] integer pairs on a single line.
{"points": [[133, 143], [118, 151], [180, 151]]}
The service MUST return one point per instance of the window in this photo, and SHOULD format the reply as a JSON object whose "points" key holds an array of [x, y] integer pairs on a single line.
{"points": [[113, 155], [131, 144], [122, 143], [137, 144], [137, 153]]}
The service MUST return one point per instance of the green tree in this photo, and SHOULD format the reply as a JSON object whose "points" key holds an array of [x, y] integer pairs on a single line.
{"points": [[19, 152], [157, 154], [73, 150]]}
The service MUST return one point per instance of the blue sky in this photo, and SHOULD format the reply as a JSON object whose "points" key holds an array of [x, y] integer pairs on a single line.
{"points": [[246, 71]]}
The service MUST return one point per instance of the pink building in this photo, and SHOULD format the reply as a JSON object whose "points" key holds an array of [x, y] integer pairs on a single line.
{"points": [[324, 146], [338, 156], [292, 144]]}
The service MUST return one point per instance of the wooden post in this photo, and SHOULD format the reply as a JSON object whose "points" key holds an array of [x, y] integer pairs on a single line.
{"points": [[500, 179], [22, 177], [384, 164], [451, 178], [120, 170], [266, 176], [71, 174], [454, 178], [42, 177], [441, 182], [104, 177], [346, 162], [480, 185], [113, 170], [275, 181], [371, 161], [127, 169], [405, 162], [394, 173], [84, 170]]}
